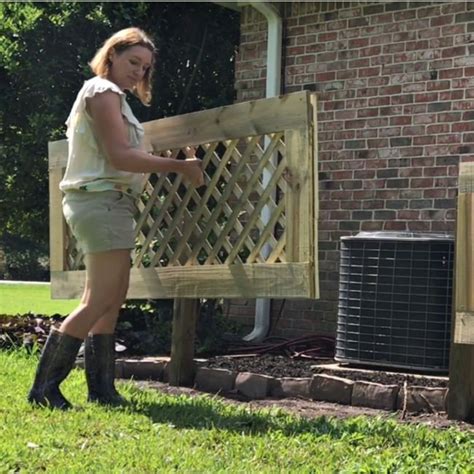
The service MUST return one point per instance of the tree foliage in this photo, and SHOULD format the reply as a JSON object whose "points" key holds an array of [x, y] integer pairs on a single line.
{"points": [[44, 54]]}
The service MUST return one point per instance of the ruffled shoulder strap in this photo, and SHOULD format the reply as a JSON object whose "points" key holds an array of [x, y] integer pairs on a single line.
{"points": [[97, 85], [91, 87]]}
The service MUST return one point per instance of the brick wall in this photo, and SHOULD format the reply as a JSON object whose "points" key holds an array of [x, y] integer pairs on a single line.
{"points": [[395, 84]]}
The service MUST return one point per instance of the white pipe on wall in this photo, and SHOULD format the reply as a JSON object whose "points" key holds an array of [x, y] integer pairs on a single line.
{"points": [[273, 88]]}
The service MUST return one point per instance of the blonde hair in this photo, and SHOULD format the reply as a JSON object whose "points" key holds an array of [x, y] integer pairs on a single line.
{"points": [[119, 42]]}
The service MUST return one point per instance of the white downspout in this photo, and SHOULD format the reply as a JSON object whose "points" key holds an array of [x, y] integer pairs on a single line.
{"points": [[273, 88]]}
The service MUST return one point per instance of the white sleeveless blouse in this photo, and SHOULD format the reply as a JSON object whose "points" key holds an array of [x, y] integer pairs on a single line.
{"points": [[88, 168]]}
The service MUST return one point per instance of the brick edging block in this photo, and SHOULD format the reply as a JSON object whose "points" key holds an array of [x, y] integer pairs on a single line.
{"points": [[423, 399], [329, 388], [375, 395], [214, 380]]}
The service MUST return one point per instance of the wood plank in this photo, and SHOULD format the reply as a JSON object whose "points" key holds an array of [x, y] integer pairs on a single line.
{"points": [[57, 154], [57, 232], [461, 359], [185, 316], [315, 212], [279, 280], [464, 328], [245, 119], [299, 196]]}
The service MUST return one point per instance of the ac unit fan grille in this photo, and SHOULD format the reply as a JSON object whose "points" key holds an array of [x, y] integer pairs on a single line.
{"points": [[395, 303]]}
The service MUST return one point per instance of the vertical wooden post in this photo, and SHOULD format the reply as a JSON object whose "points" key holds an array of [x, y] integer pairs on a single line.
{"points": [[185, 316], [461, 367], [57, 231]]}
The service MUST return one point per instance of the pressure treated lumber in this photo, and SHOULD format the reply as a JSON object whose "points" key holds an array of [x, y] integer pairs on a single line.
{"points": [[181, 368], [461, 367]]}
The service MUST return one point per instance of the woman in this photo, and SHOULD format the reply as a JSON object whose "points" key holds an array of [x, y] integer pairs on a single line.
{"points": [[104, 175]]}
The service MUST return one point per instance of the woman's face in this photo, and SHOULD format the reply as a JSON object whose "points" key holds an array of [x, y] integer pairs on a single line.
{"points": [[129, 66]]}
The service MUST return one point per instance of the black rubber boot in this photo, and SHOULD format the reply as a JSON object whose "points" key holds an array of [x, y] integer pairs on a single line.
{"points": [[56, 361], [99, 361]]}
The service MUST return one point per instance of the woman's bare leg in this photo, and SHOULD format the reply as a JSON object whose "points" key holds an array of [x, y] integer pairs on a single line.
{"points": [[107, 275], [107, 322]]}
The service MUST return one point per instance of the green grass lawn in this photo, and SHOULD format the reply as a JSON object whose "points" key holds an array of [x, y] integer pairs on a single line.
{"points": [[27, 298], [163, 433]]}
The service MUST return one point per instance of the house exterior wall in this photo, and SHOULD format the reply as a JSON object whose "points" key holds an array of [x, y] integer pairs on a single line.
{"points": [[395, 86]]}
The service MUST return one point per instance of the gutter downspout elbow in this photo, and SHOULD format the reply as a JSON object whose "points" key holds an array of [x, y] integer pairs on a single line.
{"points": [[273, 88]]}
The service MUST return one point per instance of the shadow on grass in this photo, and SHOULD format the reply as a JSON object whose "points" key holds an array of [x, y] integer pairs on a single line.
{"points": [[207, 412]]}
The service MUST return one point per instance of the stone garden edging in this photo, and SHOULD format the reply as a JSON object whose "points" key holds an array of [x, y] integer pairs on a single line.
{"points": [[319, 387]]}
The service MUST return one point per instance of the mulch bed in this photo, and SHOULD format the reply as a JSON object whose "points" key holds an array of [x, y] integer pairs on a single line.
{"points": [[281, 366]]}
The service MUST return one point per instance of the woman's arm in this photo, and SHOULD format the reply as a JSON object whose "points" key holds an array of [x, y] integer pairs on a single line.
{"points": [[111, 130]]}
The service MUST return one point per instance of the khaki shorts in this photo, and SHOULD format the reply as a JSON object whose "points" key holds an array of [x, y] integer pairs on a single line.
{"points": [[101, 220]]}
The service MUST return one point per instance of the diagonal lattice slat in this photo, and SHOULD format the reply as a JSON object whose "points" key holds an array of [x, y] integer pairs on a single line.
{"points": [[214, 226]]}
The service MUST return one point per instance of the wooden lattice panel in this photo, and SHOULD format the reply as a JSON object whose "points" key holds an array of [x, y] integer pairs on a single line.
{"points": [[250, 232]]}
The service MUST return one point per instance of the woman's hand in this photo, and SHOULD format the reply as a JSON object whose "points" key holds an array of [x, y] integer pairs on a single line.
{"points": [[193, 171]]}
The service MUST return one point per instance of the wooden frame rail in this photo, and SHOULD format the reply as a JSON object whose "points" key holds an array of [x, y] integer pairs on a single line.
{"points": [[461, 360]]}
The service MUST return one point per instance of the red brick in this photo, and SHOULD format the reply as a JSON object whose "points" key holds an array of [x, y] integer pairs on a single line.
{"points": [[450, 138], [435, 171], [366, 133], [371, 226], [351, 205], [451, 73], [307, 19], [442, 20], [327, 36], [295, 50], [305, 39], [451, 95], [359, 63], [378, 101], [426, 97], [408, 214], [418, 226], [417, 45], [341, 195], [449, 117], [411, 151], [453, 52], [439, 128], [424, 140], [421, 183], [434, 193], [401, 120], [380, 19], [361, 195], [425, 118], [464, 105], [410, 172], [364, 174], [394, 225], [415, 130], [325, 76]]}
